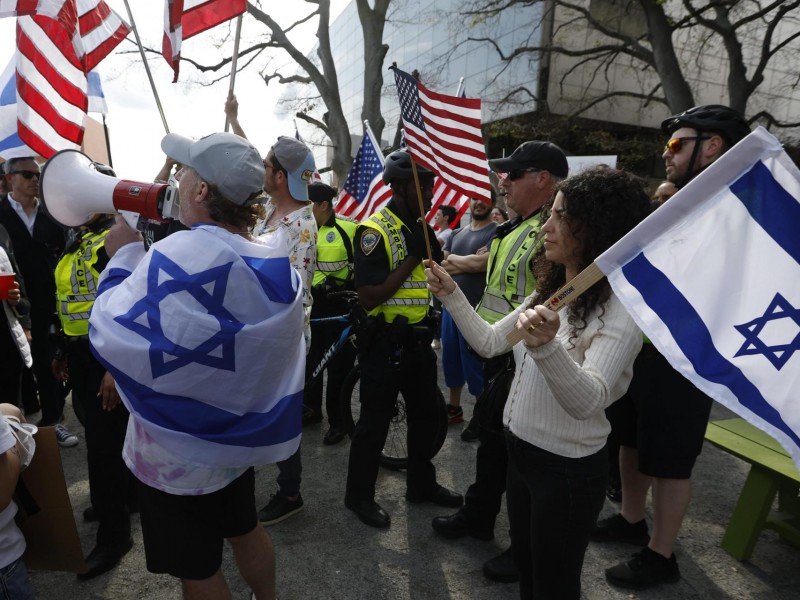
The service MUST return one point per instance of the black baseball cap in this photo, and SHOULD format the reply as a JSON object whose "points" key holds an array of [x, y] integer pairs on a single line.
{"points": [[534, 155]]}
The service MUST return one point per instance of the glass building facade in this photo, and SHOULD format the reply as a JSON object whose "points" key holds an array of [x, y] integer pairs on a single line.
{"points": [[433, 39]]}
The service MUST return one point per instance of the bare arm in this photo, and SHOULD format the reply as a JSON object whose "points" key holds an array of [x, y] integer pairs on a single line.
{"points": [[232, 112], [456, 264], [9, 461], [166, 170]]}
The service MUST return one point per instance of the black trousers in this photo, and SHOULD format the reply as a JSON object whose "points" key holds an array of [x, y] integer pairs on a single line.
{"points": [[323, 335], [50, 396], [553, 504], [484, 497], [110, 480], [415, 378]]}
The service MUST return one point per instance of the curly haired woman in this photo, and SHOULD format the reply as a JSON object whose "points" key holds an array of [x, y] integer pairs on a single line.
{"points": [[568, 371]]}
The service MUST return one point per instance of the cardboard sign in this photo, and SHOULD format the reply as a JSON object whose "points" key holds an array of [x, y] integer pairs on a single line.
{"points": [[45, 511]]}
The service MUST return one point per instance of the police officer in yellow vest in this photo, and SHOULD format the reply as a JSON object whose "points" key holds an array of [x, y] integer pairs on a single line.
{"points": [[394, 349], [334, 273], [105, 417], [531, 173]]}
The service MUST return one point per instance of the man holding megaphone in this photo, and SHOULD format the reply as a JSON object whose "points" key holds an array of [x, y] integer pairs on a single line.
{"points": [[203, 334]]}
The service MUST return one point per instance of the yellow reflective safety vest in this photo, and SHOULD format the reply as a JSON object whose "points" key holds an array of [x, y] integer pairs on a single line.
{"points": [[412, 298], [76, 283], [509, 278], [335, 250]]}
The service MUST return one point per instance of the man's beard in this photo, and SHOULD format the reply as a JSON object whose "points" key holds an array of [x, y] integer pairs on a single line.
{"points": [[481, 217]]}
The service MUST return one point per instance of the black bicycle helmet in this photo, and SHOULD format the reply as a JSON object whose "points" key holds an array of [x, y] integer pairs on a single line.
{"points": [[398, 166], [713, 118]]}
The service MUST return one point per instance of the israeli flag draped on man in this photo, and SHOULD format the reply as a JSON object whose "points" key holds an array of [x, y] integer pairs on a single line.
{"points": [[206, 312], [713, 279]]}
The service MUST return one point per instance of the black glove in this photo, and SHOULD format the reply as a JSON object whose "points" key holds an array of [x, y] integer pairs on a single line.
{"points": [[415, 243]]}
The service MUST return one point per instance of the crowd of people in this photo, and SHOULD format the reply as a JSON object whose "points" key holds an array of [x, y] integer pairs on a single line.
{"points": [[187, 349]]}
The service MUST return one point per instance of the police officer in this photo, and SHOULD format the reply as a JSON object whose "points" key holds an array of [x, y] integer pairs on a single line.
{"points": [[106, 418], [334, 274], [531, 173], [394, 348]]}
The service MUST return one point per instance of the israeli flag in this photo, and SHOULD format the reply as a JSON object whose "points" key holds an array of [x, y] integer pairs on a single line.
{"points": [[204, 338], [713, 279]]}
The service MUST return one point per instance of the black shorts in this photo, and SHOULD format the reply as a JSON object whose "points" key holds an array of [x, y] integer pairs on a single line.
{"points": [[663, 415], [183, 535]]}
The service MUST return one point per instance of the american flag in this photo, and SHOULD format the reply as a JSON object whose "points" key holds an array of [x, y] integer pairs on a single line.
{"points": [[444, 195], [58, 41], [363, 191], [185, 18], [443, 133]]}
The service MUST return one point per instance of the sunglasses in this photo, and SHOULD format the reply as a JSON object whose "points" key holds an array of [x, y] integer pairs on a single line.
{"points": [[26, 174], [520, 173], [675, 144]]}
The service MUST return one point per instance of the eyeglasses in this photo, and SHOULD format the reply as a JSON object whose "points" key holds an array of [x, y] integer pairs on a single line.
{"points": [[26, 174], [520, 173], [675, 144]]}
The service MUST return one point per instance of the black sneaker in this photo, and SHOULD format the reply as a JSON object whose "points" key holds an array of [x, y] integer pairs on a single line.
{"points": [[617, 529], [455, 415], [279, 508], [645, 569], [470, 433]]}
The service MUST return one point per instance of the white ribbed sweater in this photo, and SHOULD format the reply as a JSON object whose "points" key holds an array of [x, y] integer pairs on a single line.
{"points": [[559, 392]]}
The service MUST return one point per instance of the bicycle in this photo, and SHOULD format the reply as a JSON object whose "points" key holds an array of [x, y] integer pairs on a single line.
{"points": [[395, 451]]}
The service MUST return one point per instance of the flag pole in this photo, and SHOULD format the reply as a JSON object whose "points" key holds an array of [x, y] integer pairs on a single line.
{"points": [[421, 208], [460, 87], [234, 60], [565, 294], [146, 66], [108, 142]]}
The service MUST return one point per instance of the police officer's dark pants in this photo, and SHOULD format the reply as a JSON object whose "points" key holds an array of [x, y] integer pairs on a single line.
{"points": [[483, 499], [109, 477], [415, 378], [50, 396], [323, 335]]}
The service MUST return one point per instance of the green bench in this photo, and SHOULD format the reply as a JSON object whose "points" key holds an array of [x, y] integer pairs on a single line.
{"points": [[772, 472]]}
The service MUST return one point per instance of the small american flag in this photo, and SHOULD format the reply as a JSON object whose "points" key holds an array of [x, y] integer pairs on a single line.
{"points": [[443, 134], [363, 191]]}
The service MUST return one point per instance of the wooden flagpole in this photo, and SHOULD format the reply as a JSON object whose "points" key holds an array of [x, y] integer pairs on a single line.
{"points": [[146, 66], [565, 294], [234, 61], [421, 207]]}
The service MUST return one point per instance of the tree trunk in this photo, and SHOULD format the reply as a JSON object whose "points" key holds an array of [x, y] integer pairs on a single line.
{"points": [[372, 24], [676, 89]]}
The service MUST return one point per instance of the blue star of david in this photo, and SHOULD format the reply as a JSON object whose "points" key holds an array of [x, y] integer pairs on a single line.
{"points": [[165, 355], [777, 354]]}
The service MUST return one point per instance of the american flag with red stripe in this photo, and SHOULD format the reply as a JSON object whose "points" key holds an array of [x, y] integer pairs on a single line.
{"points": [[185, 18], [58, 41], [443, 134], [363, 191], [444, 195]]}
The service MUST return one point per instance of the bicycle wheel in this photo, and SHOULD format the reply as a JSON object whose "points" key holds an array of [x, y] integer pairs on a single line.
{"points": [[395, 450]]}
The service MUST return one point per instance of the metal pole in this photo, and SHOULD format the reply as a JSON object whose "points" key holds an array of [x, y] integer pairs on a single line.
{"points": [[234, 60], [146, 66], [108, 142]]}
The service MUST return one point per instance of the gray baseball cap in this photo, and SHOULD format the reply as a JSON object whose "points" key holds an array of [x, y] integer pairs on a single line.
{"points": [[294, 156], [228, 161]]}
